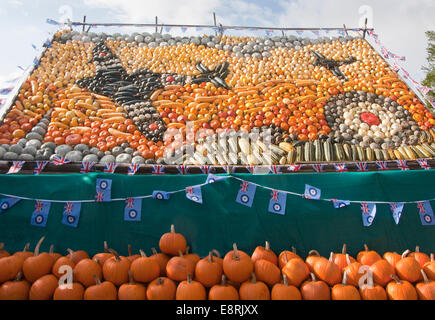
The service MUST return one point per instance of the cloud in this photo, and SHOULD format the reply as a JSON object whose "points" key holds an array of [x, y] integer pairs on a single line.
{"points": [[15, 3]]}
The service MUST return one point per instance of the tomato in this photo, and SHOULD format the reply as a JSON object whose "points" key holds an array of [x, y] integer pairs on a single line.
{"points": [[59, 140]]}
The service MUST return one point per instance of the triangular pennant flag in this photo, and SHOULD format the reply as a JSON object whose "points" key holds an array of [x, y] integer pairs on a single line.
{"points": [[368, 213], [361, 166], [426, 213], [205, 169], [16, 167], [275, 169], [382, 165], [424, 164], [132, 168], [211, 178], [7, 203], [312, 193], [318, 167], [104, 190], [340, 203], [40, 214], [133, 208], [39, 166], [182, 169], [58, 160], [251, 169], [194, 193], [277, 202], [294, 167], [158, 169], [246, 193], [396, 210], [110, 167], [229, 169], [402, 164], [71, 214], [340, 167], [86, 166], [161, 195]]}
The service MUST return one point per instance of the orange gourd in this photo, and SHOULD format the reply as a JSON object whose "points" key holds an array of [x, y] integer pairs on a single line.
{"points": [[131, 290], [171, 243], [85, 270], [408, 268], [315, 289], [382, 271], [296, 271], [144, 269], [237, 265], [265, 253], [340, 259], [285, 256], [63, 292], [43, 288], [223, 291], [425, 289], [162, 260], [190, 290], [343, 291], [179, 267], [400, 290], [115, 269], [368, 257], [284, 291], [327, 271], [254, 290], [17, 289], [421, 257], [312, 258], [208, 271], [267, 272], [38, 265], [101, 291], [429, 268], [161, 288]]}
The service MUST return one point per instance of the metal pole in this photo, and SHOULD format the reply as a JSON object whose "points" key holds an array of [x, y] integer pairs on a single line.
{"points": [[84, 21], [365, 29], [345, 29], [156, 23], [214, 19]]}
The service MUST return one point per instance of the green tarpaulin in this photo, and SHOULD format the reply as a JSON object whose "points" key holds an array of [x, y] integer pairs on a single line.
{"points": [[220, 221]]}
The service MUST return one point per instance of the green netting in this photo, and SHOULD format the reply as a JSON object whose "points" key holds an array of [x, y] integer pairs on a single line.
{"points": [[220, 221]]}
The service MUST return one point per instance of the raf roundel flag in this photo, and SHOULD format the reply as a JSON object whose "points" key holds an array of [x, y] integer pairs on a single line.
{"points": [[40, 214], [132, 211], [246, 193], [396, 210], [426, 213], [277, 202], [312, 192], [211, 178], [340, 203], [161, 195], [71, 214], [103, 188], [368, 213], [7, 203], [194, 193]]}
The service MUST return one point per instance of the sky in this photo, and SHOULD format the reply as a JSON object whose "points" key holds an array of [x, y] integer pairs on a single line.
{"points": [[400, 24]]}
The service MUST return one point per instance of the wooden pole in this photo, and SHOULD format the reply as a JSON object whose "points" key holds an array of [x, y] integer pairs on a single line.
{"points": [[84, 21], [156, 24], [214, 20], [345, 29], [365, 29]]}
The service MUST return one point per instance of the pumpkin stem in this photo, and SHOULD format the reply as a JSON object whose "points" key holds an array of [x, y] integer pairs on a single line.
{"points": [[396, 279], [187, 249], [313, 277], [142, 253], [154, 251], [172, 228], [106, 247], [19, 276], [236, 253], [38, 245], [116, 254], [130, 277], [343, 251], [284, 277], [216, 253], [159, 281], [285, 258], [210, 257], [51, 250], [129, 250], [366, 248], [189, 278], [2, 246], [253, 278], [180, 253], [425, 278], [431, 257], [293, 249], [344, 278], [224, 281], [331, 256], [71, 254], [417, 248], [96, 260], [314, 253], [26, 247], [97, 280], [404, 254], [267, 246], [347, 259]]}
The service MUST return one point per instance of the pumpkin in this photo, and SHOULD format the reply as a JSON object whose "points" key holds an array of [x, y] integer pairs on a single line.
{"points": [[217, 257], [296, 271], [3, 252], [131, 290], [38, 265], [421, 257], [340, 259], [425, 289], [429, 268], [17, 289], [353, 272], [408, 268], [101, 291], [285, 256], [208, 271], [179, 267], [367, 257], [254, 290], [192, 256], [392, 258], [76, 292], [315, 289], [161, 288], [55, 255], [267, 272], [43, 288], [172, 242], [265, 253], [223, 291], [343, 291], [9, 267], [162, 260], [190, 290], [115, 269], [77, 255], [85, 270], [327, 271], [62, 261], [371, 291], [382, 271], [103, 256], [144, 269], [312, 258], [237, 265], [400, 289], [25, 253], [284, 291], [132, 256]]}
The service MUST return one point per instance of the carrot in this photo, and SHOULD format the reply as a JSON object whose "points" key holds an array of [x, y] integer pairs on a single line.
{"points": [[98, 96], [59, 124], [19, 105], [111, 115], [87, 106], [114, 119], [118, 134], [205, 99], [168, 92], [155, 94], [246, 93]]}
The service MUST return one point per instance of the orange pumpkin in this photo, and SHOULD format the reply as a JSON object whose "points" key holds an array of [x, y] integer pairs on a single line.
{"points": [[9, 267], [382, 271], [190, 290], [62, 261], [284, 291], [101, 291], [315, 289], [38, 265], [131, 290], [179, 267], [392, 258], [208, 271], [63, 292], [3, 252], [162, 260], [353, 273], [55, 255], [192, 256], [429, 268], [265, 253], [43, 288], [285, 256], [312, 258], [340, 259], [223, 291], [372, 291], [408, 268], [161, 288], [17, 289], [237, 265], [115, 269], [25, 253], [343, 291], [367, 257], [425, 289], [171, 243], [103, 256], [144, 269], [254, 290], [267, 272], [77, 255], [296, 271], [85, 270], [132, 256], [400, 290], [421, 257], [327, 271]]}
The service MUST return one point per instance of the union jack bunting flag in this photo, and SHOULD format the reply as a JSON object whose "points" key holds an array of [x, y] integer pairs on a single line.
{"points": [[319, 167], [384, 52], [396, 210], [423, 89], [182, 169], [340, 167], [71, 214], [426, 213], [340, 203], [275, 169], [432, 102], [316, 32], [205, 169], [103, 190], [396, 68], [402, 164], [299, 32], [39, 166], [5, 91], [246, 193], [58, 160], [132, 210], [312, 192], [86, 166], [40, 214], [277, 202], [424, 164], [382, 165], [368, 213], [16, 167], [194, 193], [294, 167], [158, 169], [110, 167], [229, 169], [361, 166], [132, 168], [251, 169]]}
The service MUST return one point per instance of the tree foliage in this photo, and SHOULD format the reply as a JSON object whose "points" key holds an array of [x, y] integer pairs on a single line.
{"points": [[429, 81]]}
